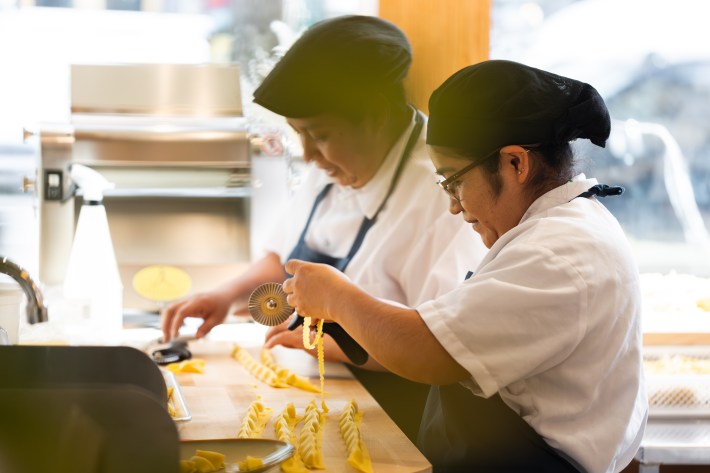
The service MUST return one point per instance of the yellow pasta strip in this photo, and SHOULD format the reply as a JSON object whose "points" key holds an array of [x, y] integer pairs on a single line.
{"points": [[286, 375], [285, 428], [310, 439], [317, 342], [321, 369], [254, 421], [350, 420], [258, 370], [307, 335]]}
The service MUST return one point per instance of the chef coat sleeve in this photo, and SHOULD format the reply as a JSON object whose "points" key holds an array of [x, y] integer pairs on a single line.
{"points": [[522, 313]]}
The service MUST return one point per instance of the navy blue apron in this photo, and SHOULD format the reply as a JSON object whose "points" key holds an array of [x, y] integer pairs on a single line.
{"points": [[403, 400], [462, 432]]}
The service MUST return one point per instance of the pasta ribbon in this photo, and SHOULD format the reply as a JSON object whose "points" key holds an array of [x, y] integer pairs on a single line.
{"points": [[254, 421], [286, 375], [285, 428], [258, 370], [317, 342], [310, 439], [358, 456]]}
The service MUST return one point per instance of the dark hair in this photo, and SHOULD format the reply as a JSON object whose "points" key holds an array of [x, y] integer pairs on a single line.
{"points": [[554, 167]]}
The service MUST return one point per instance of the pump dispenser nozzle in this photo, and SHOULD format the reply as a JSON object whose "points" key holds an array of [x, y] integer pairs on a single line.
{"points": [[92, 183]]}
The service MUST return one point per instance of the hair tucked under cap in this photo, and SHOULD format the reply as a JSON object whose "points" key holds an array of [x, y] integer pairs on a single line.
{"points": [[334, 65], [497, 103]]}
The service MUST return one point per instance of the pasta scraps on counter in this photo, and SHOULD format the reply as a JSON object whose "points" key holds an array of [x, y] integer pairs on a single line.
{"points": [[349, 422], [194, 365]]}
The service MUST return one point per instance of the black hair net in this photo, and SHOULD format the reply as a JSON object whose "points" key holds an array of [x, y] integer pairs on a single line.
{"points": [[497, 103], [334, 65]]}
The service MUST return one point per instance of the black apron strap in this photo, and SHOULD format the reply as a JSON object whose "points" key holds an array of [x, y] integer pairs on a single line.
{"points": [[602, 190], [319, 198], [367, 223]]}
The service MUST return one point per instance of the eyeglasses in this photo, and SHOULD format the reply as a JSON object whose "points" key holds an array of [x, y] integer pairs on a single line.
{"points": [[450, 184]]}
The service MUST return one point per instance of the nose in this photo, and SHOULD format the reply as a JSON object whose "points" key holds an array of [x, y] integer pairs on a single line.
{"points": [[454, 206], [310, 150]]}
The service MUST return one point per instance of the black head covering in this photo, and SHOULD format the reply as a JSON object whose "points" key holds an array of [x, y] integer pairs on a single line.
{"points": [[334, 65], [497, 103]]}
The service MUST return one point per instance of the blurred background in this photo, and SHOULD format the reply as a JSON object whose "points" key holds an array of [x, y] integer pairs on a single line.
{"points": [[649, 59]]}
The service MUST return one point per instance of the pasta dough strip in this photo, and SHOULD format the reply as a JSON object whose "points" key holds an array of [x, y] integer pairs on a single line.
{"points": [[258, 370], [317, 342], [255, 420], [350, 420], [310, 439], [286, 375], [285, 428]]}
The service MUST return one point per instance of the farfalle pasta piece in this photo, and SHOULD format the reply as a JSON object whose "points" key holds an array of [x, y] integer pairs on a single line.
{"points": [[286, 375], [349, 422], [255, 419], [310, 439], [258, 370], [285, 429]]}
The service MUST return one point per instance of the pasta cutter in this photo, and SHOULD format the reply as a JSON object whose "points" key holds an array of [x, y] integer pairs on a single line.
{"points": [[268, 306]]}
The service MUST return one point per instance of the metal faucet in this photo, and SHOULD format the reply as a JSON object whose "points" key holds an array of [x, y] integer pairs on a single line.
{"points": [[36, 310]]}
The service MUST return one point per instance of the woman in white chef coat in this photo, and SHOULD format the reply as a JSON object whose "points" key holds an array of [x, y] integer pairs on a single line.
{"points": [[367, 206], [536, 357]]}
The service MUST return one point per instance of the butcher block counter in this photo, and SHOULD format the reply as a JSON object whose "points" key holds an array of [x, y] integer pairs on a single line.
{"points": [[218, 400]]}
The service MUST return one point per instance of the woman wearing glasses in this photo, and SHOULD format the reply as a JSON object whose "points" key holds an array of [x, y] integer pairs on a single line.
{"points": [[535, 358], [367, 205]]}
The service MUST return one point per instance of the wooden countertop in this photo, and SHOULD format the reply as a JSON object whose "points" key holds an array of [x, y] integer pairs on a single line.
{"points": [[219, 398]]}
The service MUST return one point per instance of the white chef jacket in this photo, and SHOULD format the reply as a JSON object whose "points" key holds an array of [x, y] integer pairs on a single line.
{"points": [[551, 321], [415, 251]]}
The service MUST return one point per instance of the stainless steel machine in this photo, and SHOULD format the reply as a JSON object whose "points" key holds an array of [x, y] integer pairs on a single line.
{"points": [[174, 141]]}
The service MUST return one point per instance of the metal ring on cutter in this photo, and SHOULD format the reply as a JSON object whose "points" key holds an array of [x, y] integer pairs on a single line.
{"points": [[268, 306]]}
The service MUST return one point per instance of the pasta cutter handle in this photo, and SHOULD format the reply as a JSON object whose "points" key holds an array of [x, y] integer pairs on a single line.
{"points": [[350, 347]]}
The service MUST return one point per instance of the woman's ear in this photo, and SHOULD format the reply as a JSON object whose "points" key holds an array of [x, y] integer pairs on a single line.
{"points": [[516, 160]]}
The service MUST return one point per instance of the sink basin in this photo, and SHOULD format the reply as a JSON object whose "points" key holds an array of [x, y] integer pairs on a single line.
{"points": [[70, 366], [84, 409]]}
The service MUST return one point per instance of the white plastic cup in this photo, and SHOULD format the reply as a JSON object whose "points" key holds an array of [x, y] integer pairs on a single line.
{"points": [[11, 297]]}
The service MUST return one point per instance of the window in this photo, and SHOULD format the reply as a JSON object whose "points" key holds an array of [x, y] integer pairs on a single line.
{"points": [[650, 63]]}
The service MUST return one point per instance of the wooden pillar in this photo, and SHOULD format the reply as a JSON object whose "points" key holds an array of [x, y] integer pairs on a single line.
{"points": [[446, 35]]}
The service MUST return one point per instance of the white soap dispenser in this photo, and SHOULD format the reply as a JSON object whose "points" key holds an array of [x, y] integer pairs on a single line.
{"points": [[93, 281]]}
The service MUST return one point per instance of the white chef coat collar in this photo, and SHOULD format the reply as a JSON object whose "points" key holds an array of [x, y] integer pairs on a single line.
{"points": [[559, 195], [370, 196]]}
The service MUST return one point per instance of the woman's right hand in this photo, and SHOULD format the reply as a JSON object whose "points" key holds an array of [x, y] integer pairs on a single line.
{"points": [[212, 306]]}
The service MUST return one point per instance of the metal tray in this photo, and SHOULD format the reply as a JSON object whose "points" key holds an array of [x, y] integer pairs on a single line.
{"points": [[181, 412], [678, 381], [271, 452]]}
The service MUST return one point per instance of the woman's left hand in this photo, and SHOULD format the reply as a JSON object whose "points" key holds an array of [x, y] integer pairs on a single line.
{"points": [[315, 289]]}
